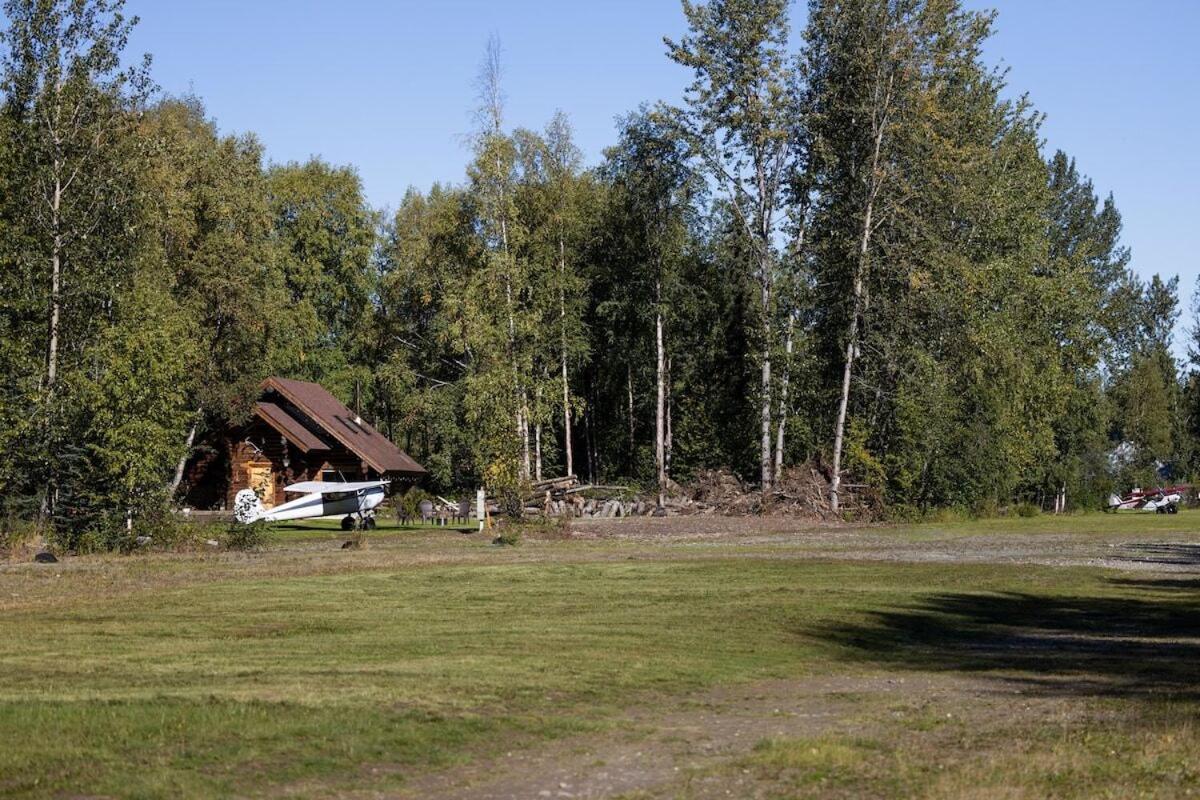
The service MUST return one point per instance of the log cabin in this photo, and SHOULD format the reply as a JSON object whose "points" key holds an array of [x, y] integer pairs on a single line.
{"points": [[297, 431]]}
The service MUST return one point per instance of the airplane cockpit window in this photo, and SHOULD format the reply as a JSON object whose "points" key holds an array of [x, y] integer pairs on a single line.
{"points": [[335, 496]]}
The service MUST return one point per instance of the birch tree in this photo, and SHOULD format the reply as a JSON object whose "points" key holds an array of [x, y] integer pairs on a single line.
{"points": [[737, 120], [567, 197], [497, 329], [71, 106], [655, 188], [857, 59]]}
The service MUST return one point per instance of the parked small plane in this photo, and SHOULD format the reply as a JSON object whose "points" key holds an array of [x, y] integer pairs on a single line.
{"points": [[356, 499], [1164, 500]]}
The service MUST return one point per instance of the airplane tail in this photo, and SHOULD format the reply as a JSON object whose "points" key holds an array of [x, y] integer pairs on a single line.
{"points": [[1113, 501], [247, 507]]}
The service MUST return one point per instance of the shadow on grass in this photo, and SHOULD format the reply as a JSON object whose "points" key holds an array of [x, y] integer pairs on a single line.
{"points": [[1069, 645], [385, 527], [1170, 553]]}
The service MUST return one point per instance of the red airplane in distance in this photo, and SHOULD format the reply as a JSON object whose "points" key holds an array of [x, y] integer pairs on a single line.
{"points": [[1163, 500]]}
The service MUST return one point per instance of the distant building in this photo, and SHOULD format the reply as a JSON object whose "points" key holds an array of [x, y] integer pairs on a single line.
{"points": [[297, 432]]}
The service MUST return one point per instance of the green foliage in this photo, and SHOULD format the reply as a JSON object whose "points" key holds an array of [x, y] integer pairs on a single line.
{"points": [[137, 391], [408, 505], [246, 537], [1027, 510], [326, 236], [1000, 345], [502, 480], [508, 536]]}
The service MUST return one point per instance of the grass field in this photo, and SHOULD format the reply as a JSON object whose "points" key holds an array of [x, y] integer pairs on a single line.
{"points": [[303, 670]]}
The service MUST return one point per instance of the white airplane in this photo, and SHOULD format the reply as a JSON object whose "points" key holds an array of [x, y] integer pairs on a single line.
{"points": [[356, 499]]}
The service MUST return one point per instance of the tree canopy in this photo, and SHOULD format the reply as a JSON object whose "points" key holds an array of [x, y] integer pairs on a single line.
{"points": [[844, 246]]}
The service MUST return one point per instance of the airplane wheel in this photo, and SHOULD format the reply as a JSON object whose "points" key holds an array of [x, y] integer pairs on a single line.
{"points": [[347, 523], [1172, 509], [369, 523], [1160, 510]]}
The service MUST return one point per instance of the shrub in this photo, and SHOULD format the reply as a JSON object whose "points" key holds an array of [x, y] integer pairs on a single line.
{"points": [[408, 505], [164, 529], [1027, 510], [508, 535], [15, 532], [246, 537], [948, 515], [502, 480]]}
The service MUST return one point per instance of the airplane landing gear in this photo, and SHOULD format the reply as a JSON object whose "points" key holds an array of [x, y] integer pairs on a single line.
{"points": [[352, 523]]}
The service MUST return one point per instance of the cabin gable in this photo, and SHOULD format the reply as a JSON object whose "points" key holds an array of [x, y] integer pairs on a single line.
{"points": [[297, 432]]}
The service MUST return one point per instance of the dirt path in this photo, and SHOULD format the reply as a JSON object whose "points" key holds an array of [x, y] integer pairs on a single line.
{"points": [[671, 750], [1150, 548]]}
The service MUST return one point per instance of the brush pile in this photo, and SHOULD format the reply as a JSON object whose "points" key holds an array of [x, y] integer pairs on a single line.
{"points": [[801, 491]]}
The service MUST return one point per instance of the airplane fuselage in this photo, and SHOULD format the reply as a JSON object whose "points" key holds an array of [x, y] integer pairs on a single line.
{"points": [[326, 504]]}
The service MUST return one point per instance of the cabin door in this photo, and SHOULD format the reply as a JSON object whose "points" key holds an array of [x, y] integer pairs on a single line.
{"points": [[262, 481]]}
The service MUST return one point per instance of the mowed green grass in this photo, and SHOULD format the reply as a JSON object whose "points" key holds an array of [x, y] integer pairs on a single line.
{"points": [[310, 684]]}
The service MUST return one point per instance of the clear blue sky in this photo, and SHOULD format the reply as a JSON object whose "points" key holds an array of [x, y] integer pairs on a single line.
{"points": [[387, 85]]}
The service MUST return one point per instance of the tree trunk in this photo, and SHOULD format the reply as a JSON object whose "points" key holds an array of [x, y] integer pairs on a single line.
{"points": [[520, 426], [537, 450], [765, 461], [783, 395], [525, 454], [589, 431], [568, 450], [660, 412], [187, 451], [629, 376], [669, 443], [55, 281], [879, 119], [843, 403]]}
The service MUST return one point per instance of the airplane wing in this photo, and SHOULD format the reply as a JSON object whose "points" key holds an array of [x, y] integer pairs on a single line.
{"points": [[325, 487]]}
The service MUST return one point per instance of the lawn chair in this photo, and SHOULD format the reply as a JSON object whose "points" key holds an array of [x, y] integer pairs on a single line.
{"points": [[427, 514], [464, 512]]}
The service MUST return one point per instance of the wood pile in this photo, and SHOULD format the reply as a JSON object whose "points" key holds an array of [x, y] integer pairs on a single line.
{"points": [[800, 491]]}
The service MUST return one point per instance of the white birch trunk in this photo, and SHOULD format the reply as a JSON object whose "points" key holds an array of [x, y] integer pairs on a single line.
{"points": [[765, 414], [879, 119], [537, 450], [669, 444], [568, 450], [783, 395], [187, 451], [55, 298], [844, 402], [526, 470], [660, 412], [629, 376]]}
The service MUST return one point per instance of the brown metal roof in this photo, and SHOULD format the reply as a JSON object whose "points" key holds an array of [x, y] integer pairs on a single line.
{"points": [[290, 427], [338, 422]]}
